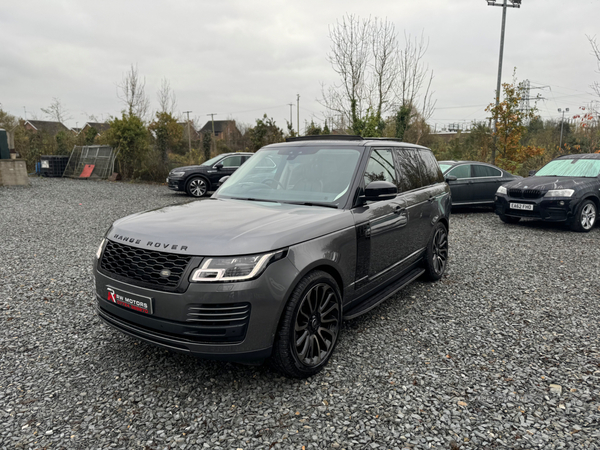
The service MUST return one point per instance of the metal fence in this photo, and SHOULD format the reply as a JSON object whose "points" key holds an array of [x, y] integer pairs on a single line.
{"points": [[101, 157]]}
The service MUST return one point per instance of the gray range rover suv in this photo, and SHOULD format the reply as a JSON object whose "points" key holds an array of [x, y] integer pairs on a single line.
{"points": [[305, 234]]}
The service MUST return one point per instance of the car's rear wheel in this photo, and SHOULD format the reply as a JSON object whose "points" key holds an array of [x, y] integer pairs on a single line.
{"points": [[310, 326], [509, 219], [197, 187], [585, 219], [436, 256]]}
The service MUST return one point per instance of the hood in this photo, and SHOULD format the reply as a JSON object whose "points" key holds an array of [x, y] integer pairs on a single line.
{"points": [[545, 184], [220, 227], [186, 168]]}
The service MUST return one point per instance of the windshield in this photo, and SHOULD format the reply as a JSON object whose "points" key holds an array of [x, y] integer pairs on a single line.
{"points": [[312, 175], [211, 161], [445, 167], [570, 168]]}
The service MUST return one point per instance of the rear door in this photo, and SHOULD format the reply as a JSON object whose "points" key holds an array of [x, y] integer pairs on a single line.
{"points": [[485, 180]]}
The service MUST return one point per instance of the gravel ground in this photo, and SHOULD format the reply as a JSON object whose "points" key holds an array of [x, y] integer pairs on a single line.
{"points": [[502, 353]]}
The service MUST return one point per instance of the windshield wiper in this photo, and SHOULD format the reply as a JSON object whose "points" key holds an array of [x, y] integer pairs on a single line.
{"points": [[326, 205], [254, 199]]}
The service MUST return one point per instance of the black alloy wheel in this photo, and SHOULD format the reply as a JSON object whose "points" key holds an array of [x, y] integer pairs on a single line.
{"points": [[310, 326], [585, 219], [437, 253], [197, 187]]}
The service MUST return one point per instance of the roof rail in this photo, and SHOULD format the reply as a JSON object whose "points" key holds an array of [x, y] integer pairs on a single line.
{"points": [[326, 137], [382, 139]]}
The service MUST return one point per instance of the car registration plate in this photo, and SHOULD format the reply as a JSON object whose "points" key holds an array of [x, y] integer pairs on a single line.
{"points": [[523, 206], [129, 300]]}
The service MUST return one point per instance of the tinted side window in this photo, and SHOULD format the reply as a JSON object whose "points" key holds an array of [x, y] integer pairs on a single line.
{"points": [[410, 169], [431, 169], [485, 171], [232, 161], [380, 167], [462, 171]]}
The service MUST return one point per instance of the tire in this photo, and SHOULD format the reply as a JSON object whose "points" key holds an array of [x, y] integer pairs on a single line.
{"points": [[509, 219], [309, 328], [436, 257], [585, 219], [197, 187]]}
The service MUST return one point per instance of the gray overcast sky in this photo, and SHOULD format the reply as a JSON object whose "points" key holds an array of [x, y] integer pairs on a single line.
{"points": [[243, 58]]}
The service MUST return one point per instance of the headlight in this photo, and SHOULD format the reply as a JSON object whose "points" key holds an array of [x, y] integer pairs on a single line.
{"points": [[501, 190], [560, 193], [177, 174], [99, 251], [236, 268]]}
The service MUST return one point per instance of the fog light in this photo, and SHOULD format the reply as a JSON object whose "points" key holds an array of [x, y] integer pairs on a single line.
{"points": [[561, 203]]}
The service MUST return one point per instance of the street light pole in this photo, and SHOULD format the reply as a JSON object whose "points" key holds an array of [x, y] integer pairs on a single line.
{"points": [[504, 5], [561, 125]]}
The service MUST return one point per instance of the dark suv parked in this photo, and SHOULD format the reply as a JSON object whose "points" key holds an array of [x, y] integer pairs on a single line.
{"points": [[305, 234], [566, 189], [198, 180]]}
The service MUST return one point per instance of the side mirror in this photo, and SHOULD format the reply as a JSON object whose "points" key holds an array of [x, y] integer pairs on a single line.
{"points": [[218, 166], [450, 178], [380, 190], [224, 179], [532, 172]]}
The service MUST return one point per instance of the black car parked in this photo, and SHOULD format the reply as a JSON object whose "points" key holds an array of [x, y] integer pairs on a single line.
{"points": [[306, 234], [198, 180], [564, 190], [473, 182]]}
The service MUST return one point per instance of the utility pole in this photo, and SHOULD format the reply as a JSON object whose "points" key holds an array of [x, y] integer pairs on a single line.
{"points": [[298, 112], [562, 122], [504, 5], [189, 132], [291, 123], [212, 119]]}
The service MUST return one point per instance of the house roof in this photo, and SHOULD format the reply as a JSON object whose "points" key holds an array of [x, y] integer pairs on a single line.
{"points": [[194, 132], [220, 126], [100, 127], [47, 126]]}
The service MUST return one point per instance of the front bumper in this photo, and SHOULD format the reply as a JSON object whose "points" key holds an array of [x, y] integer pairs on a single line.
{"points": [[176, 184], [557, 209], [173, 324]]}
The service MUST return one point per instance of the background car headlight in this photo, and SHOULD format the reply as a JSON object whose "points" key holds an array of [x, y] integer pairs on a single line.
{"points": [[560, 193], [177, 174], [235, 268], [99, 251], [501, 190]]}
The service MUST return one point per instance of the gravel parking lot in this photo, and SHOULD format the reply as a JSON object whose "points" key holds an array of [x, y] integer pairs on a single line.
{"points": [[504, 352]]}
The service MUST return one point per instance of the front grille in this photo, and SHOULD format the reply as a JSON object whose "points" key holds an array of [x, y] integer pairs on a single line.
{"points": [[525, 193], [219, 322], [138, 264]]}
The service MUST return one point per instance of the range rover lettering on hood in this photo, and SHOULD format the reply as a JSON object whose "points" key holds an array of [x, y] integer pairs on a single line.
{"points": [[152, 244]]}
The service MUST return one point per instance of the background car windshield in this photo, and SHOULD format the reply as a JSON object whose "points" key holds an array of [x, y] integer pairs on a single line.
{"points": [[211, 161], [445, 167], [295, 175], [570, 168]]}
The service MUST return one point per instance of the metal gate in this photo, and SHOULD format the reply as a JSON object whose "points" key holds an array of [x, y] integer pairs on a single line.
{"points": [[91, 161]]}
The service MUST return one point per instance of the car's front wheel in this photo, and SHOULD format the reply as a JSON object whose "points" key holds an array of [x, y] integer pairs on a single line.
{"points": [[309, 327], [436, 257], [197, 187], [585, 219]]}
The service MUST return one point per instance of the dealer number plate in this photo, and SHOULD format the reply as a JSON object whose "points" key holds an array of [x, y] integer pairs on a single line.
{"points": [[521, 206], [129, 300]]}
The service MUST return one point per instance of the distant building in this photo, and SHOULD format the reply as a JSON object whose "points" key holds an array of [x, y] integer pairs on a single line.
{"points": [[224, 129], [100, 127], [45, 126]]}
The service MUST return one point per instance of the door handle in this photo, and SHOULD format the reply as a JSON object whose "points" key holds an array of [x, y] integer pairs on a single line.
{"points": [[399, 210]]}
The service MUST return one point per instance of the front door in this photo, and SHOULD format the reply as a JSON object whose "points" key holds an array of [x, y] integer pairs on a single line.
{"points": [[462, 187]]}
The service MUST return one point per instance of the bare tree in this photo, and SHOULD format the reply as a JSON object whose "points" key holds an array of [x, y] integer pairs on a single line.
{"points": [[131, 91], [56, 111], [167, 101], [377, 75]]}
